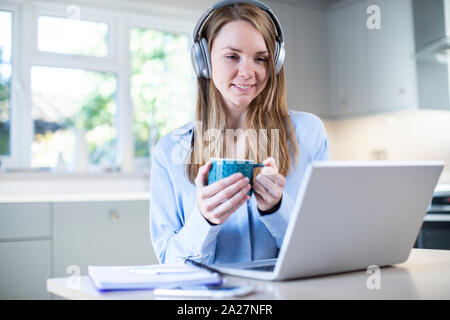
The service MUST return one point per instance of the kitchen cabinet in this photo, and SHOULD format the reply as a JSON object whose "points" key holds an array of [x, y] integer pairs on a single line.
{"points": [[24, 220], [46, 240], [100, 233], [348, 60], [390, 51], [371, 70], [431, 42], [307, 74], [24, 269], [25, 242]]}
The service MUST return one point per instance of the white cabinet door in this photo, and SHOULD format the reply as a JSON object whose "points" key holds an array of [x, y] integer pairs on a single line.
{"points": [[348, 26], [24, 220], [372, 70], [24, 269], [391, 57], [24, 250], [101, 233]]}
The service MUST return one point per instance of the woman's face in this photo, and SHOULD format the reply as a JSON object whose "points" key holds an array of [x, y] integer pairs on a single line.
{"points": [[239, 61]]}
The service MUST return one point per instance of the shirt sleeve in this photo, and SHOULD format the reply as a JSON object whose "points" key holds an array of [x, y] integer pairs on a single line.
{"points": [[278, 221], [176, 235], [323, 151]]}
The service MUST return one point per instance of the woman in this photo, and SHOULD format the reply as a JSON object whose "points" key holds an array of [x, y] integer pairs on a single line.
{"points": [[241, 87]]}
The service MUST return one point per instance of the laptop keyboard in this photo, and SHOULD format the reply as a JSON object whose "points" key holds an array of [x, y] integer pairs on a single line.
{"points": [[261, 268]]}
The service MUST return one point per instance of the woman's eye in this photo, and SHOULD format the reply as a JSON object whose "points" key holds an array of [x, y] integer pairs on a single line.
{"points": [[231, 57], [261, 59]]}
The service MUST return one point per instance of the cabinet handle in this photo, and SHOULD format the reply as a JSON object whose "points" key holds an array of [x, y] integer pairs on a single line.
{"points": [[114, 216]]}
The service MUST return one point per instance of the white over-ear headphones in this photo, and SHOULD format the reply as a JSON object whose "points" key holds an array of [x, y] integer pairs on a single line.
{"points": [[200, 56]]}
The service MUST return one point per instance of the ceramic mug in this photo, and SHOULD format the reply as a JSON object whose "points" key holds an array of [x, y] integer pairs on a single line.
{"points": [[222, 168]]}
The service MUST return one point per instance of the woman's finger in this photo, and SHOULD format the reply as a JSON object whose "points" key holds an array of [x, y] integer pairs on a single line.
{"points": [[273, 188], [202, 175], [224, 210], [214, 188], [221, 218], [270, 162], [227, 193], [271, 170], [267, 183], [276, 178], [259, 198], [259, 188]]}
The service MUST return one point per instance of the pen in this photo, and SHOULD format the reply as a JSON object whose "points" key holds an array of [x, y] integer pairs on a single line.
{"points": [[201, 266], [156, 271]]}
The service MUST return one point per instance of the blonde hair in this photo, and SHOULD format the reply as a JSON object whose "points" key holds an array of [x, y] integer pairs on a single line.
{"points": [[266, 113]]}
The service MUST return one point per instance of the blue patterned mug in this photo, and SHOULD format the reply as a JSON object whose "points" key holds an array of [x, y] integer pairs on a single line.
{"points": [[222, 168]]}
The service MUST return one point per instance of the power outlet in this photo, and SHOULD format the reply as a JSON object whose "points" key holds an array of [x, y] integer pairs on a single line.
{"points": [[378, 154]]}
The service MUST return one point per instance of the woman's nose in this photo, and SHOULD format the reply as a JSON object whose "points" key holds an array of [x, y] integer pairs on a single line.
{"points": [[246, 68]]}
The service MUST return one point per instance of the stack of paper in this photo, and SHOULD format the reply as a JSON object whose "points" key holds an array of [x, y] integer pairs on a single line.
{"points": [[149, 277]]}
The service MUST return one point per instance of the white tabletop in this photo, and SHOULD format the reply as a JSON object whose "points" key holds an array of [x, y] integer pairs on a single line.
{"points": [[425, 275]]}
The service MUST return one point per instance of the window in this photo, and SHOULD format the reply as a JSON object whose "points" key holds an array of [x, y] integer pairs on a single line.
{"points": [[5, 80], [72, 36], [161, 85], [69, 105], [90, 85], [73, 109]]}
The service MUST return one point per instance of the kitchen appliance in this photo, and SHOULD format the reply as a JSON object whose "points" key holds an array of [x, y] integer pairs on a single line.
{"points": [[432, 41], [435, 232]]}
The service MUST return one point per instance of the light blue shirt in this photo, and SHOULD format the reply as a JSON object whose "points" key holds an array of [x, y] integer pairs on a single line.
{"points": [[179, 231]]}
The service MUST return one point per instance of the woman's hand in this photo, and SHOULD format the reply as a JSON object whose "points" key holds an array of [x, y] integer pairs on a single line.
{"points": [[268, 186], [219, 200]]}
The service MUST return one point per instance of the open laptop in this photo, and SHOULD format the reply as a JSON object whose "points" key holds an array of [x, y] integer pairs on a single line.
{"points": [[349, 216]]}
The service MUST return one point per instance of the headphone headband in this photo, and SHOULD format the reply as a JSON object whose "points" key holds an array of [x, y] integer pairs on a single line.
{"points": [[201, 22]]}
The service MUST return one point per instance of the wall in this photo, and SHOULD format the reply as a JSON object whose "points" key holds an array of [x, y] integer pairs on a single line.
{"points": [[418, 135], [306, 64], [304, 25]]}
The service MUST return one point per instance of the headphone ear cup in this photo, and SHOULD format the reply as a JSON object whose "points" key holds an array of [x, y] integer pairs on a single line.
{"points": [[279, 56], [194, 58], [200, 59], [206, 59]]}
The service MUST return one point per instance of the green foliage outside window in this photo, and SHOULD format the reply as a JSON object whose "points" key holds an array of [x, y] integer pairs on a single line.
{"points": [[161, 85], [97, 111], [5, 95]]}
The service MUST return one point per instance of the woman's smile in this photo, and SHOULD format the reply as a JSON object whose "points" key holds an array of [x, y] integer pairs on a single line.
{"points": [[243, 88]]}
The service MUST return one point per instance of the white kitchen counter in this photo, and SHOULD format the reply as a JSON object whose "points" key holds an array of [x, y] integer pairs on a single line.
{"points": [[442, 187], [75, 197], [44, 187]]}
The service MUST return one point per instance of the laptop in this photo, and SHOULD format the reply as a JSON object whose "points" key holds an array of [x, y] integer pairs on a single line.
{"points": [[349, 216]]}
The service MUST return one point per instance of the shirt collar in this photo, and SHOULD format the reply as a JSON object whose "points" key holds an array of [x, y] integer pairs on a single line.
{"points": [[186, 129]]}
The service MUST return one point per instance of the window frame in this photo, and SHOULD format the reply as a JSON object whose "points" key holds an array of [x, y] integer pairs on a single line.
{"points": [[52, 59], [14, 111], [26, 55]]}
